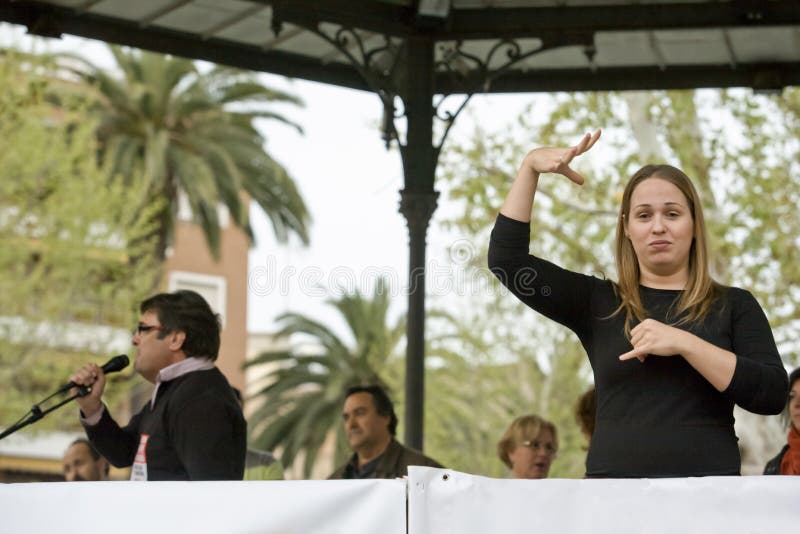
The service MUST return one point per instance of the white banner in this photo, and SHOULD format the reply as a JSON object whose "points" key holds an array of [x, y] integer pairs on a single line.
{"points": [[442, 501], [285, 507]]}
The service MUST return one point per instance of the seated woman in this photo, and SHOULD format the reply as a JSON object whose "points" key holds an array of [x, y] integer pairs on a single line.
{"points": [[528, 447], [787, 462]]}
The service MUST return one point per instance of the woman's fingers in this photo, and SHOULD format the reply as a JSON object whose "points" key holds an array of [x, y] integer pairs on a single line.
{"points": [[593, 139], [569, 155], [585, 144], [574, 176], [635, 353], [580, 148], [558, 159]]}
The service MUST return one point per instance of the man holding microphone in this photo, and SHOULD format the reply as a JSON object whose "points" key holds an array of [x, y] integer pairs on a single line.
{"points": [[192, 427]]}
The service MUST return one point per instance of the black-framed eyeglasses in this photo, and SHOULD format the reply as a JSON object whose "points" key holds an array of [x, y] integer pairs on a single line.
{"points": [[144, 328]]}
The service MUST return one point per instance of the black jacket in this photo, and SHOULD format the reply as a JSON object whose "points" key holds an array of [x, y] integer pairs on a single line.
{"points": [[393, 463], [773, 467]]}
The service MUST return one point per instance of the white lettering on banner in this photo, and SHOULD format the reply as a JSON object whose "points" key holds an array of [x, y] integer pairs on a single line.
{"points": [[139, 468], [441, 500]]}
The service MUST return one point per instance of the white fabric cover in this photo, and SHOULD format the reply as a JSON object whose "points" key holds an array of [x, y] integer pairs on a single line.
{"points": [[442, 501], [285, 507]]}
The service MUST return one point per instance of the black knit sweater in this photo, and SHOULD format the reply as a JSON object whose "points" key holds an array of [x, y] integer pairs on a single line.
{"points": [[195, 431]]}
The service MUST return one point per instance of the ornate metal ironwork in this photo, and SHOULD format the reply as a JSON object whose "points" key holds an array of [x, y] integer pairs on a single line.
{"points": [[379, 65], [418, 208], [477, 73]]}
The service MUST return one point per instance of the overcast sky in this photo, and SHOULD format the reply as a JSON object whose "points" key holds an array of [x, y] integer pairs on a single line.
{"points": [[351, 184]]}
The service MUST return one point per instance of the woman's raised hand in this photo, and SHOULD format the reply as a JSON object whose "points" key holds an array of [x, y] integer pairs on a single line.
{"points": [[557, 159]]}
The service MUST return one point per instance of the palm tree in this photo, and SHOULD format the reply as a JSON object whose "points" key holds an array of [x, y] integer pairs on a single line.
{"points": [[302, 403], [193, 132]]}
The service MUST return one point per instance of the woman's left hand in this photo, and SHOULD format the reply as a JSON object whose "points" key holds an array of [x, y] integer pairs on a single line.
{"points": [[651, 337]]}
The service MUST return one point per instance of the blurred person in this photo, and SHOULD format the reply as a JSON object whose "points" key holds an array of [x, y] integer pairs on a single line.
{"points": [[671, 349], [370, 425], [258, 464], [528, 447], [192, 428], [585, 410], [82, 463], [787, 462]]}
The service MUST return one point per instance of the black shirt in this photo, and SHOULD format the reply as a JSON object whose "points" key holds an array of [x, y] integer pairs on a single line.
{"points": [[365, 471], [660, 418]]}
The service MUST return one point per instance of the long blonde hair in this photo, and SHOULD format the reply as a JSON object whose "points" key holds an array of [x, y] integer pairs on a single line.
{"points": [[700, 291]]}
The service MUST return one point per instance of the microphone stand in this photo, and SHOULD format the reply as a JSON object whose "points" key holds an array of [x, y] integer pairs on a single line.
{"points": [[37, 413]]}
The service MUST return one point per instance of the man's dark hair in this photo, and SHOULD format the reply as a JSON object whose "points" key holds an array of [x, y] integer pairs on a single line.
{"points": [[84, 441], [92, 451], [383, 404], [186, 311]]}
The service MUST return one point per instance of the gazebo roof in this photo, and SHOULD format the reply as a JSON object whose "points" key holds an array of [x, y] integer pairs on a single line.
{"points": [[523, 45]]}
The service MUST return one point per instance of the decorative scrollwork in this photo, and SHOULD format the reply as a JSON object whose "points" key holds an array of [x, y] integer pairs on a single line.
{"points": [[379, 64], [376, 64], [481, 71], [478, 72], [447, 117], [342, 39]]}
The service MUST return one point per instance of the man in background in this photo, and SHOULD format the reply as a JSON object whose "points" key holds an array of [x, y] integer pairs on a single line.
{"points": [[370, 425], [82, 462]]}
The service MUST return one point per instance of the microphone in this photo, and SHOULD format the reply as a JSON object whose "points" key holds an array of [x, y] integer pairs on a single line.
{"points": [[114, 365]]}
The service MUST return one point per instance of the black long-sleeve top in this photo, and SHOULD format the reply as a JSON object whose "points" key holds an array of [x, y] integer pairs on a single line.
{"points": [[659, 418], [195, 431]]}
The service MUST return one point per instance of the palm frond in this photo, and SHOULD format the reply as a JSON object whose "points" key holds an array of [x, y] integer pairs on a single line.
{"points": [[157, 110], [301, 403]]}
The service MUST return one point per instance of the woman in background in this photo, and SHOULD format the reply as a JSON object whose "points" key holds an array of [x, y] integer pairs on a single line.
{"points": [[787, 462], [528, 447]]}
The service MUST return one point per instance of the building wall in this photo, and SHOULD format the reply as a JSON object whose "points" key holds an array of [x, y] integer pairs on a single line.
{"points": [[191, 266]]}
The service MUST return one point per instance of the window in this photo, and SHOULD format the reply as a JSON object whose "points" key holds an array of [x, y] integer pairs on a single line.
{"points": [[210, 287]]}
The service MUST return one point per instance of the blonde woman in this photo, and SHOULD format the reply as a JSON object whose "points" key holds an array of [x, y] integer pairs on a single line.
{"points": [[672, 350], [528, 447]]}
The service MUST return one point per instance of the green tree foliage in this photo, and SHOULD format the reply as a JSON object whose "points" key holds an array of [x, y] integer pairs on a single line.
{"points": [[472, 394], [475, 386], [194, 132], [301, 404], [68, 231], [742, 152]]}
